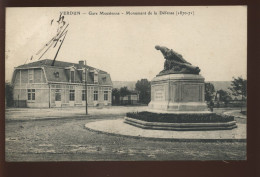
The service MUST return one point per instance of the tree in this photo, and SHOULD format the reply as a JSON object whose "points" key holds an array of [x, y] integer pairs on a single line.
{"points": [[124, 91], [238, 87], [143, 86], [115, 96], [224, 96], [9, 94], [209, 92]]}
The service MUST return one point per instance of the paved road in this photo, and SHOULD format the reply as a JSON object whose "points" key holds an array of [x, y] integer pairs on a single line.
{"points": [[12, 114], [68, 140]]}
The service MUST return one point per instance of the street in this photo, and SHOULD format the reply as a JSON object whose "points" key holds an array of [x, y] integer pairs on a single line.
{"points": [[68, 140]]}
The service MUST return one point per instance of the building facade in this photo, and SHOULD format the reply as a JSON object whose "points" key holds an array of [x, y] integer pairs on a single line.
{"points": [[131, 99], [40, 84]]}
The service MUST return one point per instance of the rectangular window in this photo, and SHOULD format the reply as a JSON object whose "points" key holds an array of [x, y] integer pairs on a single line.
{"points": [[72, 95], [31, 94], [30, 75], [95, 95], [29, 91], [72, 76], [57, 95], [83, 95], [105, 95]]}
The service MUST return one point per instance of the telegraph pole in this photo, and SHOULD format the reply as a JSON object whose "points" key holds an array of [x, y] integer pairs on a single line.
{"points": [[86, 92]]}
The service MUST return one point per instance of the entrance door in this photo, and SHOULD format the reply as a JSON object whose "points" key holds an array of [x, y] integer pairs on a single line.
{"points": [[72, 97], [58, 97]]}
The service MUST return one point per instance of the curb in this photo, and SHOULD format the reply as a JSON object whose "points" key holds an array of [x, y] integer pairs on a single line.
{"points": [[239, 117], [167, 139], [180, 126], [61, 118], [46, 118]]}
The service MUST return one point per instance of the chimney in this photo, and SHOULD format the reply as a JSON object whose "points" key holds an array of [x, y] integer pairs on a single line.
{"points": [[81, 63]]}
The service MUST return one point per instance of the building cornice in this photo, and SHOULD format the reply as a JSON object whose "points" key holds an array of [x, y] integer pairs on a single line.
{"points": [[69, 83]]}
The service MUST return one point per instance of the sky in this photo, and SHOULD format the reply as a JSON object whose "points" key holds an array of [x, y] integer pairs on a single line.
{"points": [[214, 38]]}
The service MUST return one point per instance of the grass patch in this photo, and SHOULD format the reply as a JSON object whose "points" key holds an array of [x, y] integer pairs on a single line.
{"points": [[243, 112]]}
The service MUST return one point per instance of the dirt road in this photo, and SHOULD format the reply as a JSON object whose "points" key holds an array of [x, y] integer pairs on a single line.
{"points": [[68, 140]]}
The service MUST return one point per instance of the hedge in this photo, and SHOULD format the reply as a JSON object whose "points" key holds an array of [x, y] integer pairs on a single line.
{"points": [[180, 118]]}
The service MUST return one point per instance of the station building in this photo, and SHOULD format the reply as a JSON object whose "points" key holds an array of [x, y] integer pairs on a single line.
{"points": [[39, 84]]}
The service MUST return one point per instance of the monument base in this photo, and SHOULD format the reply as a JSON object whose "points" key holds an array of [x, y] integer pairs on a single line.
{"points": [[177, 103], [180, 121], [181, 126]]}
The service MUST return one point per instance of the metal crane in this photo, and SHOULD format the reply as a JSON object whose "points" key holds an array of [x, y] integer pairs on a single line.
{"points": [[58, 37]]}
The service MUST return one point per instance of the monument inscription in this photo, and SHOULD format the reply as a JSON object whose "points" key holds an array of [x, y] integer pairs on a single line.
{"points": [[159, 93], [191, 93]]}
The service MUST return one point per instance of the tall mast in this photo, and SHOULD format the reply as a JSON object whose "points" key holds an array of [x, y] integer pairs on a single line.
{"points": [[58, 49], [61, 32]]}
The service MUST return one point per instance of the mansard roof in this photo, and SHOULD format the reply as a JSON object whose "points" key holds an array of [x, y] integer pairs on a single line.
{"points": [[61, 64], [62, 68]]}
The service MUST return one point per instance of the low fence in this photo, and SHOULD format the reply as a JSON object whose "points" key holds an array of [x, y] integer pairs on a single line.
{"points": [[20, 103], [230, 104]]}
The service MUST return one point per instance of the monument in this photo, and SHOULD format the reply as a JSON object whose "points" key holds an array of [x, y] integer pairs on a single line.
{"points": [[178, 87], [178, 99]]}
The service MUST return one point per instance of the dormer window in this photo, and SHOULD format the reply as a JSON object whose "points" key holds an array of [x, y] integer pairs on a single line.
{"points": [[30, 75], [72, 76], [56, 74], [71, 71], [95, 77], [83, 75]]}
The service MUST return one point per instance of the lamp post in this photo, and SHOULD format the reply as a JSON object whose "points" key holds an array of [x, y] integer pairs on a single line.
{"points": [[86, 92]]}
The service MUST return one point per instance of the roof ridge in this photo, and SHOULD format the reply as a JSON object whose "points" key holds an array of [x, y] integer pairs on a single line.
{"points": [[41, 62]]}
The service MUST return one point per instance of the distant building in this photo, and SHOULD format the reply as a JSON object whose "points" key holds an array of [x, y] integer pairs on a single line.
{"points": [[39, 84], [130, 99], [129, 84]]}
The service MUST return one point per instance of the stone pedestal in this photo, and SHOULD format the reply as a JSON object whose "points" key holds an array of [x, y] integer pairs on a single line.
{"points": [[178, 93]]}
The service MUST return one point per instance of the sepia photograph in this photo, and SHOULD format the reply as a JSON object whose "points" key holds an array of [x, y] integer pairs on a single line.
{"points": [[150, 83]]}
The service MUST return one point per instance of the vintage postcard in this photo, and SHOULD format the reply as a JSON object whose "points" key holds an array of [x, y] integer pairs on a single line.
{"points": [[126, 83]]}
